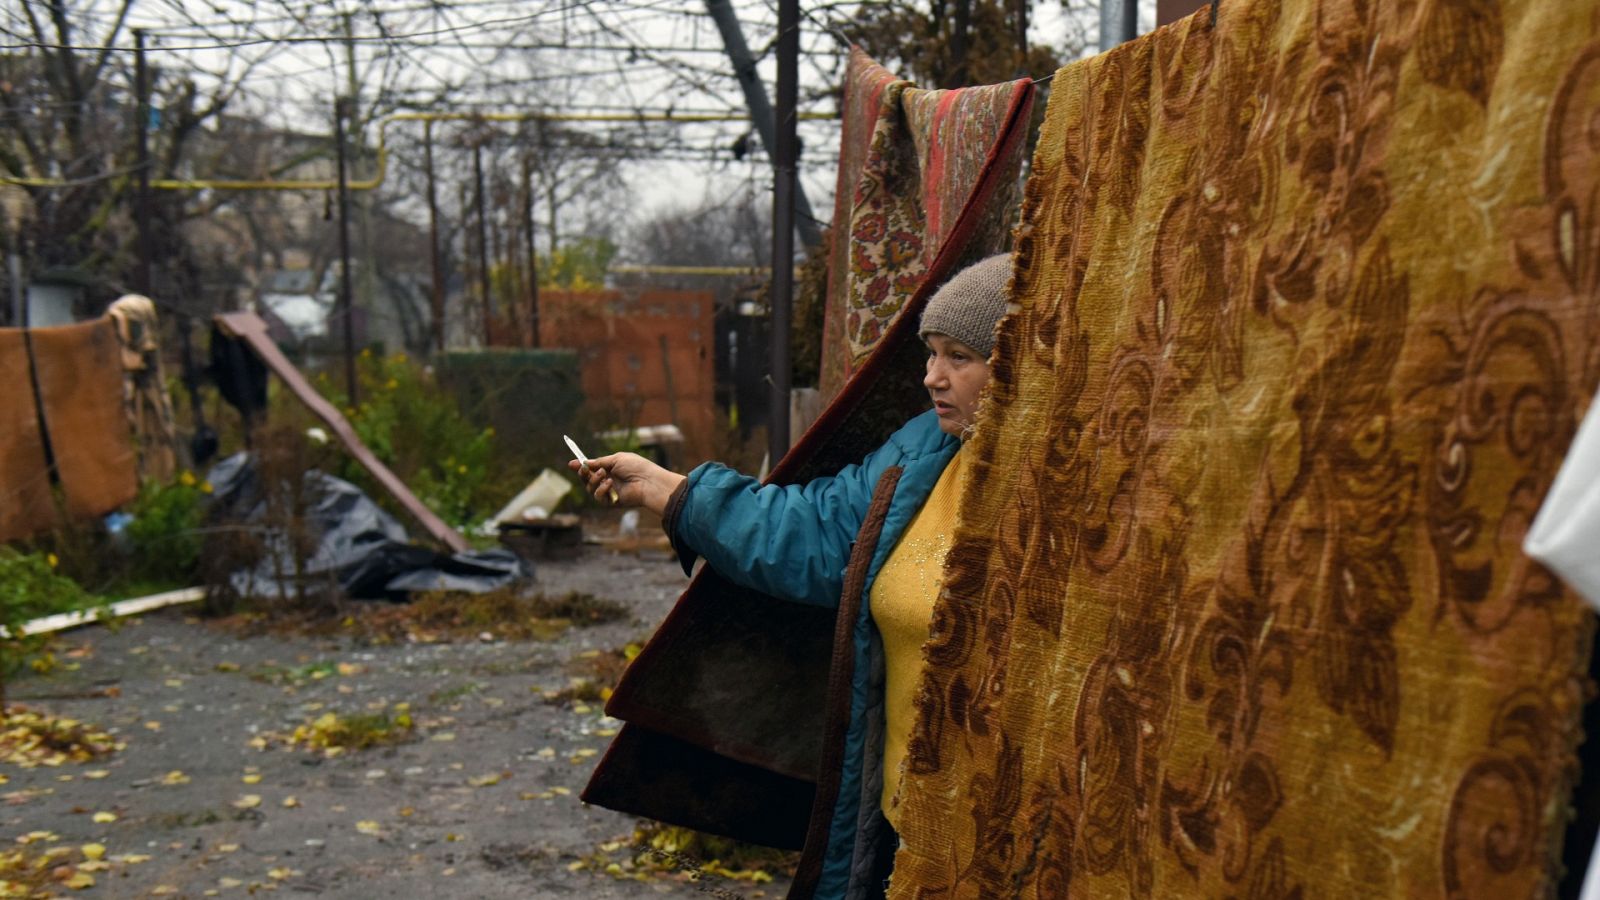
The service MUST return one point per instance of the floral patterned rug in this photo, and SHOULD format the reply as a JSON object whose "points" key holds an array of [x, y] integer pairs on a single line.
{"points": [[921, 174]]}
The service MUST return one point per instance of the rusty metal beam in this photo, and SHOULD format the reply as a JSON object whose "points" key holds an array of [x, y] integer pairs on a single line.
{"points": [[250, 328]]}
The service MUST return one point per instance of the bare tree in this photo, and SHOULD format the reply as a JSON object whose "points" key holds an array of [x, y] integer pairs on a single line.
{"points": [[69, 135]]}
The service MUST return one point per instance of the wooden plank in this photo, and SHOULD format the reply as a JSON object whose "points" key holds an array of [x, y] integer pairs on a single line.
{"points": [[250, 328]]}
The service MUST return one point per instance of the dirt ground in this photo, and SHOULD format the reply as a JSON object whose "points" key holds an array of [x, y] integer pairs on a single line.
{"points": [[482, 803]]}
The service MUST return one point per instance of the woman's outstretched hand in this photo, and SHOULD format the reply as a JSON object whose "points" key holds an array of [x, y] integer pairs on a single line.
{"points": [[637, 481]]}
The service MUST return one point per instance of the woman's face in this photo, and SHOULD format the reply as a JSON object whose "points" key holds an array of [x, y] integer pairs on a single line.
{"points": [[956, 376]]}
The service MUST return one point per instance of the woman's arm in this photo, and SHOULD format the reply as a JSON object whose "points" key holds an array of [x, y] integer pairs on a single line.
{"points": [[791, 541]]}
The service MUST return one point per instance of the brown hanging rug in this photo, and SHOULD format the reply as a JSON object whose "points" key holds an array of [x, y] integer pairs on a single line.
{"points": [[25, 503], [79, 368], [1310, 307]]}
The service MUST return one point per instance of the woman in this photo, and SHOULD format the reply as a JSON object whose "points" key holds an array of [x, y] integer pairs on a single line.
{"points": [[795, 541]]}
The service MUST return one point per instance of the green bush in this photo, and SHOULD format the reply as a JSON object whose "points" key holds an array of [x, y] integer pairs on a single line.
{"points": [[164, 536], [30, 588], [415, 428]]}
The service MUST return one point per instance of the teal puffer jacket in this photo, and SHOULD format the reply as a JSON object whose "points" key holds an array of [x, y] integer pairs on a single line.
{"points": [[796, 542]]}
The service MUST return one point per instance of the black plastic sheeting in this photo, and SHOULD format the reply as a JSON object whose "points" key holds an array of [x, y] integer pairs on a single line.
{"points": [[358, 545]]}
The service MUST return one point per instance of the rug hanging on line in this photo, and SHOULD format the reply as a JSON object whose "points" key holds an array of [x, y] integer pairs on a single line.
{"points": [[79, 371], [26, 507], [1309, 310], [916, 168]]}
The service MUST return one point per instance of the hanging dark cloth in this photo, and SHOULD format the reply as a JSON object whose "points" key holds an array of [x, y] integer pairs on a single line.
{"points": [[239, 374]]}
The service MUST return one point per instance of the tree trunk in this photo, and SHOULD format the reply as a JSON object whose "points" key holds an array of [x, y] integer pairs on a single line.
{"points": [[956, 73]]}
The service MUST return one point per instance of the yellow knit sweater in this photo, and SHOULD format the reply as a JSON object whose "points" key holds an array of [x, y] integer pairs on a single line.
{"points": [[902, 608]]}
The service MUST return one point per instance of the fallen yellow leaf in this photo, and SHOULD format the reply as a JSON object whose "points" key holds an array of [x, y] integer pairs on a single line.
{"points": [[227, 667], [80, 881], [92, 775], [227, 848], [153, 726], [247, 801], [279, 874], [367, 826], [103, 818], [251, 779], [131, 859], [162, 890], [485, 780], [93, 851], [290, 803], [229, 882], [443, 736], [174, 777]]}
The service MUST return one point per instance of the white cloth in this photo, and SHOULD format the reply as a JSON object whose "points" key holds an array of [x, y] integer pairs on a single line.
{"points": [[1566, 537], [1566, 533]]}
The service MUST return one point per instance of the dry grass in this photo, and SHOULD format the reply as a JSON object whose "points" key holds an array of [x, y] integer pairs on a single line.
{"points": [[441, 617]]}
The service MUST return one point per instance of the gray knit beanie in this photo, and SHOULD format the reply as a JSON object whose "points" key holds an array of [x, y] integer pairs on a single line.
{"points": [[969, 305]]}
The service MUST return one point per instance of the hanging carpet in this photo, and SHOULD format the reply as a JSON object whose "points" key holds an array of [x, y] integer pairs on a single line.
{"points": [[25, 504], [80, 388], [1309, 310], [724, 706], [919, 170]]}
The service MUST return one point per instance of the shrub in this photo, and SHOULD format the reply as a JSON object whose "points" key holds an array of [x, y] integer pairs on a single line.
{"points": [[164, 535], [30, 589], [414, 428]]}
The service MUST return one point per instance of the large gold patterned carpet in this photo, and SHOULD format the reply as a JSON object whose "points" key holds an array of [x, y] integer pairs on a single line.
{"points": [[1309, 309]]}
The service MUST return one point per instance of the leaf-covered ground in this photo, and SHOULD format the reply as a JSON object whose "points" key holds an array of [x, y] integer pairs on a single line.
{"points": [[207, 761]]}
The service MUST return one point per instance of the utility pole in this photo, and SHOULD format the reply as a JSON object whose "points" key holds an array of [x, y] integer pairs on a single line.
{"points": [[483, 240], [956, 75], [437, 298], [1119, 22], [366, 271], [345, 315], [141, 113], [755, 97], [1019, 26], [783, 220], [533, 252], [145, 275]]}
